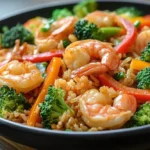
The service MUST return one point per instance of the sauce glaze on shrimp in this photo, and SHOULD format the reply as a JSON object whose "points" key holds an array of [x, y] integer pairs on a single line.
{"points": [[78, 56], [99, 110], [22, 76], [142, 40], [59, 30]]}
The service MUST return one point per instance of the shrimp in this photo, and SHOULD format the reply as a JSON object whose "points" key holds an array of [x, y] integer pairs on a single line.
{"points": [[16, 52], [101, 19], [100, 111], [33, 24], [22, 76], [24, 49], [142, 40], [59, 30], [79, 54]]}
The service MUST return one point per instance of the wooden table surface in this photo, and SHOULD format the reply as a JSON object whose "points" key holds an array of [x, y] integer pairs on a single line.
{"points": [[7, 7]]}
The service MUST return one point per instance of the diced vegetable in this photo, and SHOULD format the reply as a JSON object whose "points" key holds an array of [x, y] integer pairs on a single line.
{"points": [[66, 43], [118, 76], [138, 64]]}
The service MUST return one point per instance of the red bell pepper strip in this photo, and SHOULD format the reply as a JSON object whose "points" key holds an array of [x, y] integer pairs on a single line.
{"points": [[46, 56], [141, 95], [129, 37]]}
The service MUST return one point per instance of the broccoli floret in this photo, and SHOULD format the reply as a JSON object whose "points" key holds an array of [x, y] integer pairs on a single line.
{"points": [[141, 116], [86, 30], [42, 67], [143, 78], [118, 76], [56, 15], [5, 28], [53, 106], [10, 101], [145, 56], [84, 7], [61, 13], [129, 11], [17, 32]]}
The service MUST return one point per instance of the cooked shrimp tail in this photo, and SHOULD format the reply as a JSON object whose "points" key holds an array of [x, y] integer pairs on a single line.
{"points": [[78, 56], [90, 69]]}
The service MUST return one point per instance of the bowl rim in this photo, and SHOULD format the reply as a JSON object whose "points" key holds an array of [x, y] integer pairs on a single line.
{"points": [[41, 131], [103, 133]]}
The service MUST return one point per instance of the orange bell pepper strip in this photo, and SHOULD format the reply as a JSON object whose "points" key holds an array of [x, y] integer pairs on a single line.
{"points": [[141, 95], [129, 38], [144, 21], [51, 76], [139, 64]]}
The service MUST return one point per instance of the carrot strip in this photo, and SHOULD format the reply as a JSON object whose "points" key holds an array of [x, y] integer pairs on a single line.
{"points": [[53, 71], [139, 64]]}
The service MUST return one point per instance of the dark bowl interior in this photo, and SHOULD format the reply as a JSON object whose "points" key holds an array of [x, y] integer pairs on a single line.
{"points": [[122, 139]]}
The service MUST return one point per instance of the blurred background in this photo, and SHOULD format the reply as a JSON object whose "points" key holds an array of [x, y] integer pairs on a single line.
{"points": [[10, 6]]}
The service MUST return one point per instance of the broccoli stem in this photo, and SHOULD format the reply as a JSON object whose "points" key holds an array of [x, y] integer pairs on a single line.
{"points": [[137, 23], [107, 32]]}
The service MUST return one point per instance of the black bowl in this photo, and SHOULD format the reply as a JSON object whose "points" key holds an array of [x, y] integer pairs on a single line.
{"points": [[122, 139]]}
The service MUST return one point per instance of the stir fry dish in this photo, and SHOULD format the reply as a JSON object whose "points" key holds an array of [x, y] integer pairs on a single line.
{"points": [[81, 69]]}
